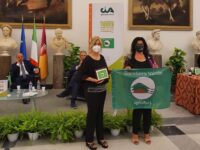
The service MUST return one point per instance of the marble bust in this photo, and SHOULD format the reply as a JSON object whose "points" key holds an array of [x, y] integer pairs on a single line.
{"points": [[196, 42], [154, 43], [7, 43], [59, 43]]}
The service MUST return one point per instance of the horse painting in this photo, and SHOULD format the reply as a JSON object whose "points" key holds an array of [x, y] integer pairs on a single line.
{"points": [[164, 6], [162, 14]]}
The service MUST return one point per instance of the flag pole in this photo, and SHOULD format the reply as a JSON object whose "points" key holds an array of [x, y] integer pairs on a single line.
{"points": [[22, 18], [23, 40], [34, 17], [44, 19]]}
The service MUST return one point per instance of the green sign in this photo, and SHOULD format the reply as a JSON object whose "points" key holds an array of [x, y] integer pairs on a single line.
{"points": [[107, 26], [102, 74], [3, 88], [197, 71], [141, 88], [108, 43]]}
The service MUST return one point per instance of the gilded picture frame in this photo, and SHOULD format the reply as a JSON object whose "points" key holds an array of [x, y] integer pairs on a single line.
{"points": [[154, 14], [56, 13]]}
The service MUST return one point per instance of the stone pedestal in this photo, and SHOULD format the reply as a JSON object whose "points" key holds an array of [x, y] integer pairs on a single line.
{"points": [[58, 71], [5, 63], [195, 60], [158, 59]]}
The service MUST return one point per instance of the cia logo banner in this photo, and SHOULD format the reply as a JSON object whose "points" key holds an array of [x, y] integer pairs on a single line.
{"points": [[107, 11], [141, 88], [105, 20]]}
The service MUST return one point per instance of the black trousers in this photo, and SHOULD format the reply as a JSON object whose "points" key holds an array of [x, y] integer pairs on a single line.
{"points": [[136, 121], [23, 82], [95, 105]]}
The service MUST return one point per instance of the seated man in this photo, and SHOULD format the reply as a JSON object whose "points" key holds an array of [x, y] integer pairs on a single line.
{"points": [[22, 72], [72, 86]]}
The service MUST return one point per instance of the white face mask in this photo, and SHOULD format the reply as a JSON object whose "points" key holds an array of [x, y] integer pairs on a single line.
{"points": [[96, 48]]}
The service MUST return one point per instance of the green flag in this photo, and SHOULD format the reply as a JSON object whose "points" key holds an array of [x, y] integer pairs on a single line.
{"points": [[141, 88], [108, 42]]}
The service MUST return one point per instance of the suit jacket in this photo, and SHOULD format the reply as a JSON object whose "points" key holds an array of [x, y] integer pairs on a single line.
{"points": [[15, 70]]}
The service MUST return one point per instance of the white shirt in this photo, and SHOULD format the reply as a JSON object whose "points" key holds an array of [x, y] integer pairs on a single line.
{"points": [[20, 72]]}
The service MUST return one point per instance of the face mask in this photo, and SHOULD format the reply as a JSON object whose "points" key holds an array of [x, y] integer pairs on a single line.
{"points": [[96, 48], [139, 48]]}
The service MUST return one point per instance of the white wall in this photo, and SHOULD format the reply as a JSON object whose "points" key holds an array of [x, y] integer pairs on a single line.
{"points": [[79, 33]]}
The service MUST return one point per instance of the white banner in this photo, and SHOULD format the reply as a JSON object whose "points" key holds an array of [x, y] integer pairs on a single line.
{"points": [[3, 87], [106, 20]]}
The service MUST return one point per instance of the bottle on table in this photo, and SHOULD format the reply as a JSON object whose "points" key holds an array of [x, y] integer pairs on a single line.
{"points": [[38, 85], [30, 86]]}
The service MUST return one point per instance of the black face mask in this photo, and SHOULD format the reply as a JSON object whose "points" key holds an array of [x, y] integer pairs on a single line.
{"points": [[139, 48]]}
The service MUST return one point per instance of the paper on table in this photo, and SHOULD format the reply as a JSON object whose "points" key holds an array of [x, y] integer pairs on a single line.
{"points": [[29, 94]]}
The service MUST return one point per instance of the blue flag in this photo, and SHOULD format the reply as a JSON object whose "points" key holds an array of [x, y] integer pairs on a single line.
{"points": [[23, 43]]}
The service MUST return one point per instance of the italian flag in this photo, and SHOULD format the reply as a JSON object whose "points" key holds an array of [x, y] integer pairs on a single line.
{"points": [[34, 50]]}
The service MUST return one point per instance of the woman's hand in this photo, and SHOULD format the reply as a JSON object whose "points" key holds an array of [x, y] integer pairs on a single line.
{"points": [[171, 68], [36, 70], [99, 81], [94, 80], [109, 71], [127, 67]]}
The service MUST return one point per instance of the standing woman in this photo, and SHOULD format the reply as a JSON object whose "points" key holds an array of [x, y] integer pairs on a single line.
{"points": [[140, 58], [95, 93]]}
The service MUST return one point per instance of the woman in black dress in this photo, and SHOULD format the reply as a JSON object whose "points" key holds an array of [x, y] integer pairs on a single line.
{"points": [[95, 93], [140, 58]]}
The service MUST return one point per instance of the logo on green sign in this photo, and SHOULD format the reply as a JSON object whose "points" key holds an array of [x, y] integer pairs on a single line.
{"points": [[108, 43], [102, 74]]}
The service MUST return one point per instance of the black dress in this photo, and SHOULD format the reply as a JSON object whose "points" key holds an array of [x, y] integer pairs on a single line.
{"points": [[138, 113], [95, 96]]}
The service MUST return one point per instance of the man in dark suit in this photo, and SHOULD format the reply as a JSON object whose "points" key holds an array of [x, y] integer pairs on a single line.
{"points": [[72, 86], [22, 72]]}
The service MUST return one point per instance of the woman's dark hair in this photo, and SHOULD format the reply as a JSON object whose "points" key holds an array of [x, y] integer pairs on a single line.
{"points": [[133, 45]]}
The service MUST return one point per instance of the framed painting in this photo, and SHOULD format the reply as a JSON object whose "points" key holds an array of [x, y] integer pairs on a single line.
{"points": [[160, 14], [57, 13]]}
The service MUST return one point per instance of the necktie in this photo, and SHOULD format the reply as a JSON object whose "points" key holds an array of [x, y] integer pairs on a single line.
{"points": [[23, 70]]}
